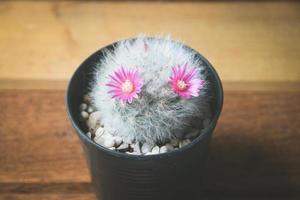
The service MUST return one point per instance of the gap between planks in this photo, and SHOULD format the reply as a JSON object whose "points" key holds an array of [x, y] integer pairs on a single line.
{"points": [[10, 84]]}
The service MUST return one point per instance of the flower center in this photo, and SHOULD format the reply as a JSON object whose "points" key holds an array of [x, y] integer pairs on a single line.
{"points": [[181, 85], [127, 86]]}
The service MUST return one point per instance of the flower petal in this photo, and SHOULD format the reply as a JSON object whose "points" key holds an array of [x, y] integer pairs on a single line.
{"points": [[117, 80], [190, 74], [189, 77]]}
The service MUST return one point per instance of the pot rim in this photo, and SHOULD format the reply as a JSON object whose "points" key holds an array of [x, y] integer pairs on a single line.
{"points": [[204, 132]]}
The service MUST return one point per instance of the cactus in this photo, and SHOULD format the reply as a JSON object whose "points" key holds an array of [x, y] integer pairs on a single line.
{"points": [[137, 90]]}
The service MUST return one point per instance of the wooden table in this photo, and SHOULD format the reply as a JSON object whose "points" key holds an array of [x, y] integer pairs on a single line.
{"points": [[254, 154], [255, 47]]}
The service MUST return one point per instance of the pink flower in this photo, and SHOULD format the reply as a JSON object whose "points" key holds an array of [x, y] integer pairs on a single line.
{"points": [[125, 84], [185, 82]]}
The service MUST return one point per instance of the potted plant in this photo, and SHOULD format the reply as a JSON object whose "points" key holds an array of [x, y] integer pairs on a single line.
{"points": [[145, 109]]}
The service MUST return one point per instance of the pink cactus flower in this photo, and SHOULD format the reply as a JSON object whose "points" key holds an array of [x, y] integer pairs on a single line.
{"points": [[125, 84], [185, 82]]}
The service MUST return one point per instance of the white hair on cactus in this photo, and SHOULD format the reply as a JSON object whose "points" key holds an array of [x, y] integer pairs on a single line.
{"points": [[158, 114]]}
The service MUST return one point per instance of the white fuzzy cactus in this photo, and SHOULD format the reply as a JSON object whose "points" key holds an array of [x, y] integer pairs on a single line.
{"points": [[155, 112]]}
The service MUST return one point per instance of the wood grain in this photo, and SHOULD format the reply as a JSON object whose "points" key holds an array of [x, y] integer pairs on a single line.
{"points": [[254, 154], [54, 155], [245, 41]]}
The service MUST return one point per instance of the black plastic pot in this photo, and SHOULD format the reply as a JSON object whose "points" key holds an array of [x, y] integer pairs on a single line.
{"points": [[170, 176]]}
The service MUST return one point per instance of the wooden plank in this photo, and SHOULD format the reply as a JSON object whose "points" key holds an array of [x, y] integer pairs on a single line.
{"points": [[37, 141], [255, 150], [245, 41], [261, 86], [30, 84]]}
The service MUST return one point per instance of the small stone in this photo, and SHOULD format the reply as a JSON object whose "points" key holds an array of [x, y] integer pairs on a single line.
{"points": [[146, 148], [90, 109], [166, 148], [87, 99], [100, 131], [84, 116], [104, 139], [155, 150], [184, 142], [118, 141], [94, 121], [89, 135], [83, 107], [99, 139], [206, 123], [136, 148], [174, 142], [163, 149], [108, 142], [191, 135]]}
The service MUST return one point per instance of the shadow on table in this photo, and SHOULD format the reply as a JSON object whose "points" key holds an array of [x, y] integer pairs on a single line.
{"points": [[241, 166]]}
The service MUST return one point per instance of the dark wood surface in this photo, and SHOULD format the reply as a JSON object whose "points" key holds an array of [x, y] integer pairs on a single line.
{"points": [[255, 152]]}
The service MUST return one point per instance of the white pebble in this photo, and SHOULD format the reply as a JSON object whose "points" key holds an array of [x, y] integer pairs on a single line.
{"points": [[105, 140], [108, 142], [166, 148], [84, 115], [184, 142], [90, 109], [174, 142], [118, 140], [147, 148], [94, 121], [155, 150], [206, 123], [163, 149], [83, 107], [89, 135], [136, 148], [99, 139], [100, 131], [191, 135]]}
